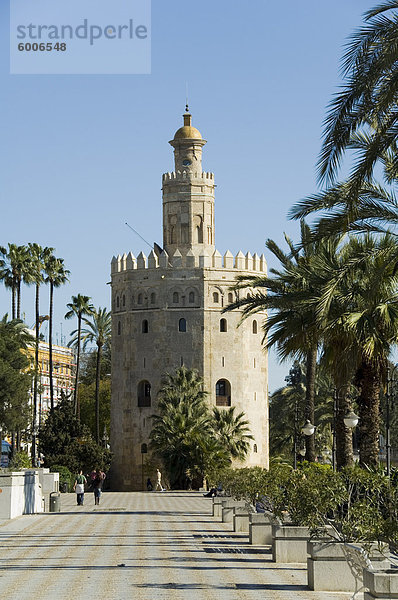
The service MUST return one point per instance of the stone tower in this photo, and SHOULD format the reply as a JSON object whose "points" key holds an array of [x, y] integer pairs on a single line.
{"points": [[166, 312]]}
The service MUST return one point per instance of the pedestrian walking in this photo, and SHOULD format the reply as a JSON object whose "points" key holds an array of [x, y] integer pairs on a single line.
{"points": [[79, 487], [159, 481], [97, 484]]}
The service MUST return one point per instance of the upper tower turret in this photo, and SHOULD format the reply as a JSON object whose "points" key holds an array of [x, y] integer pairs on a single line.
{"points": [[188, 194]]}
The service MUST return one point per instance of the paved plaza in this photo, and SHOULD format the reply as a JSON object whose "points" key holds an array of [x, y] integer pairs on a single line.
{"points": [[141, 546]]}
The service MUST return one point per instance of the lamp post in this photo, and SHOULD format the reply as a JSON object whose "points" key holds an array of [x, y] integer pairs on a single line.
{"points": [[389, 397], [144, 450], [350, 421]]}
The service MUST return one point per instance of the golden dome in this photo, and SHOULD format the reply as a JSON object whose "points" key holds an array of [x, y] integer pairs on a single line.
{"points": [[188, 132]]}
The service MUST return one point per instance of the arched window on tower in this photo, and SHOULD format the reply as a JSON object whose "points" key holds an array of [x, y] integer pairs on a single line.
{"points": [[216, 297], [223, 393], [255, 448], [191, 297], [124, 300], [223, 325], [176, 297], [117, 302], [254, 326], [119, 328], [139, 299], [144, 393], [182, 325], [230, 297], [153, 298], [145, 326]]}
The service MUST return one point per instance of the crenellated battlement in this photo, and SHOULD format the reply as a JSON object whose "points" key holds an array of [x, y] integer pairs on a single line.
{"points": [[184, 175], [191, 260]]}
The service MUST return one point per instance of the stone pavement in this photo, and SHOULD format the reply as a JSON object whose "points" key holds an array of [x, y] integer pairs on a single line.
{"points": [[141, 546]]}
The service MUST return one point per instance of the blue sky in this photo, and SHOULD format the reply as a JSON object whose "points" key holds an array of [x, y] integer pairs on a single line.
{"points": [[82, 154]]}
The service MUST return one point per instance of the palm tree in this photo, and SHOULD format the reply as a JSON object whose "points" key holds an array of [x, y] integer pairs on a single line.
{"points": [[98, 331], [79, 307], [14, 267], [38, 258], [181, 433], [367, 104], [232, 432], [292, 326], [56, 275], [366, 313]]}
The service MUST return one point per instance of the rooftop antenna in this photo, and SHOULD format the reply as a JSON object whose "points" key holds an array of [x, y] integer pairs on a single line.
{"points": [[155, 247], [140, 236]]}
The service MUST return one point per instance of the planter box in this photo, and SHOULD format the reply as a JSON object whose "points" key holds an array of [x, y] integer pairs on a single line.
{"points": [[241, 519], [289, 543], [217, 506], [260, 528], [228, 508], [381, 584], [335, 566]]}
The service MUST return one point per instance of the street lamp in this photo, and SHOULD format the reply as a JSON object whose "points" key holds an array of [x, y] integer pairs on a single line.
{"points": [[105, 438], [350, 421], [389, 396], [308, 428]]}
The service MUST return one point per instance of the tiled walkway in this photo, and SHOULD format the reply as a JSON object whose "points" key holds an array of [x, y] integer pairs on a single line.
{"points": [[141, 546]]}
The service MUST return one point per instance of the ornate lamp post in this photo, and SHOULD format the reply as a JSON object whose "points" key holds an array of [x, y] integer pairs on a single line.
{"points": [[308, 429], [350, 421]]}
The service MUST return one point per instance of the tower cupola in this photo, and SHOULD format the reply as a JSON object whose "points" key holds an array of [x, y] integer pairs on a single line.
{"points": [[188, 194]]}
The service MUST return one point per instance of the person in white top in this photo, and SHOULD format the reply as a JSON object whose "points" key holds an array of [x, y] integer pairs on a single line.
{"points": [[159, 481]]}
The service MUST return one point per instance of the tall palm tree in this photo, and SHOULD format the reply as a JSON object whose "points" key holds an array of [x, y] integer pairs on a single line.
{"points": [[292, 325], [79, 307], [232, 431], [367, 103], [56, 275], [366, 313], [38, 258], [14, 267], [98, 331]]}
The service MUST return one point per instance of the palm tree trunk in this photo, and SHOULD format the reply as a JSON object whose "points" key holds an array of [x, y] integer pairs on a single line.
{"points": [[344, 450], [19, 299], [97, 392], [310, 403], [75, 395], [50, 344], [369, 381], [14, 293], [35, 382]]}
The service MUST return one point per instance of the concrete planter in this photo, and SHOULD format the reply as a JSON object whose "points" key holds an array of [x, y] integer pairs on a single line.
{"points": [[20, 494], [228, 507], [217, 506], [289, 543], [260, 528], [381, 584], [335, 566], [241, 520]]}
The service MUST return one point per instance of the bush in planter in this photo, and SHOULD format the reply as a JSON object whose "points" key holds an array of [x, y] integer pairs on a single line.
{"points": [[357, 505], [20, 460], [245, 483], [66, 478]]}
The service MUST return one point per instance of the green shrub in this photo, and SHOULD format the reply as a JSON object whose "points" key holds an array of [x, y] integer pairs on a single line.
{"points": [[66, 478], [20, 460]]}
